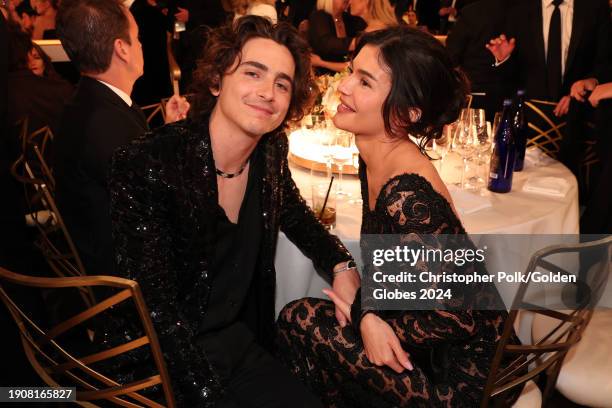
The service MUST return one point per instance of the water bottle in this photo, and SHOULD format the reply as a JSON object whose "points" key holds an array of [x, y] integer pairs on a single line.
{"points": [[520, 130], [502, 159]]}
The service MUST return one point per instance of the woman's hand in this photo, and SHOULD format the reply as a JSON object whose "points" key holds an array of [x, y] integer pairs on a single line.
{"points": [[382, 347]]}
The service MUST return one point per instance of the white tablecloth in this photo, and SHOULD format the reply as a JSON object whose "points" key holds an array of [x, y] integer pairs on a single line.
{"points": [[517, 212]]}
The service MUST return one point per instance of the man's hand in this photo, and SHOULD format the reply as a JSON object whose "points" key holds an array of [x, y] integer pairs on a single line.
{"points": [[176, 108], [448, 11], [345, 286], [600, 92], [580, 88], [562, 107], [382, 347], [501, 47], [182, 15]]}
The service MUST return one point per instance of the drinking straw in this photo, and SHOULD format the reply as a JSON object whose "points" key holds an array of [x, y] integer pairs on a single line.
{"points": [[326, 197]]}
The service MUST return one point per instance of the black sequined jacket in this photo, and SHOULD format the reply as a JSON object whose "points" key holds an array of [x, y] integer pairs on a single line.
{"points": [[163, 200]]}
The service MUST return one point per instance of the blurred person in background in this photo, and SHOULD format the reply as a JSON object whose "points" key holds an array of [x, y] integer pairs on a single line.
{"points": [[410, 18], [262, 8], [35, 91], [466, 43], [44, 22], [152, 19], [377, 14], [331, 31], [190, 21], [295, 11]]}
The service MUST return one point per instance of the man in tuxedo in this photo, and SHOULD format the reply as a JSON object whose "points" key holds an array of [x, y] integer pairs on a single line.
{"points": [[197, 16], [558, 50], [449, 13], [479, 22], [551, 45], [101, 39]]}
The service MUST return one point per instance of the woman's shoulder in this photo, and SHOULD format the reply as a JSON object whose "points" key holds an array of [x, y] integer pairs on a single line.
{"points": [[415, 199]]}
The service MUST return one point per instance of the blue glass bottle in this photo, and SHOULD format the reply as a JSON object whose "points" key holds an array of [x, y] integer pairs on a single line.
{"points": [[502, 159], [520, 130]]}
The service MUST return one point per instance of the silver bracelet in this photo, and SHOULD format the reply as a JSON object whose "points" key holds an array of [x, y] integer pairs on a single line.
{"points": [[348, 265]]}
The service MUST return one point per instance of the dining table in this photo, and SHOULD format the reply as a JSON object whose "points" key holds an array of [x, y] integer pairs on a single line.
{"points": [[543, 202]]}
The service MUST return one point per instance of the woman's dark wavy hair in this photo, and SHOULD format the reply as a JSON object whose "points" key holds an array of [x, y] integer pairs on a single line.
{"points": [[224, 45], [422, 77]]}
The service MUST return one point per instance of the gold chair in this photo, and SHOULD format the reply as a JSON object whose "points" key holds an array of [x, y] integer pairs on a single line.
{"points": [[54, 240], [49, 352], [155, 114], [515, 365], [545, 132]]}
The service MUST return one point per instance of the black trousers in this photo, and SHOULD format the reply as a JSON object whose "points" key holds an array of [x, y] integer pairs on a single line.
{"points": [[260, 381]]}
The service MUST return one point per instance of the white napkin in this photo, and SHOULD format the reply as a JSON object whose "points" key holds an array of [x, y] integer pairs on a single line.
{"points": [[467, 202], [537, 158], [552, 186]]}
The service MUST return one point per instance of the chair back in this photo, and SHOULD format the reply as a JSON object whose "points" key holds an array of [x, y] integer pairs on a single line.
{"points": [[545, 131], [48, 347], [53, 240], [513, 365], [155, 114]]}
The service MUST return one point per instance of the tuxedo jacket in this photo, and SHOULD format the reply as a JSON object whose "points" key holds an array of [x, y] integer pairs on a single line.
{"points": [[93, 125], [589, 49], [466, 43]]}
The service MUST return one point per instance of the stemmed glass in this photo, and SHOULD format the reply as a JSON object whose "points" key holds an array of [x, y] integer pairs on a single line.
{"points": [[341, 154], [442, 145], [463, 143], [482, 144]]}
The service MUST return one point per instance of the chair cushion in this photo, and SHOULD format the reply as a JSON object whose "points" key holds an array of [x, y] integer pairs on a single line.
{"points": [[585, 376]]}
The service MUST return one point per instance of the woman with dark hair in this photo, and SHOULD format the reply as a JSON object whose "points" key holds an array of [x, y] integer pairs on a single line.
{"points": [[35, 91], [402, 83]]}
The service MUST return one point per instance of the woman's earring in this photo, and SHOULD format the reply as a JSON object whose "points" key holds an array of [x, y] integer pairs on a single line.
{"points": [[415, 115]]}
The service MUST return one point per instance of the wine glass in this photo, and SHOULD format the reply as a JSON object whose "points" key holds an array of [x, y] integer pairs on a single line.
{"points": [[482, 144], [341, 154], [463, 143], [443, 144]]}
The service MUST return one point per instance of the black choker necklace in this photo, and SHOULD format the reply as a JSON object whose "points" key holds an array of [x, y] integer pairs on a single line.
{"points": [[231, 175]]}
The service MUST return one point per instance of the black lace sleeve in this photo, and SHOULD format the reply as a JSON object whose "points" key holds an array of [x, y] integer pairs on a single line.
{"points": [[408, 207]]}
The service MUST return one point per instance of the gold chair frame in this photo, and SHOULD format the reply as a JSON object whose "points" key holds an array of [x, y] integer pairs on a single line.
{"points": [[544, 139], [62, 262], [35, 340], [548, 353]]}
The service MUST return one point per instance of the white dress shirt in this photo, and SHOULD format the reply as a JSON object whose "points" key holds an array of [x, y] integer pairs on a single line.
{"points": [[125, 97], [567, 16]]}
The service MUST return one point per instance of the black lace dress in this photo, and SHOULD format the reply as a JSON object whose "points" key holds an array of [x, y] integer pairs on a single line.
{"points": [[451, 351]]}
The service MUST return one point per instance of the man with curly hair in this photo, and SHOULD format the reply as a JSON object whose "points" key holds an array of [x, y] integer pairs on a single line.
{"points": [[197, 207]]}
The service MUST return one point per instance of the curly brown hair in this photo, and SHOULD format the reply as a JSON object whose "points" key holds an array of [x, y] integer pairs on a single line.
{"points": [[224, 46]]}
